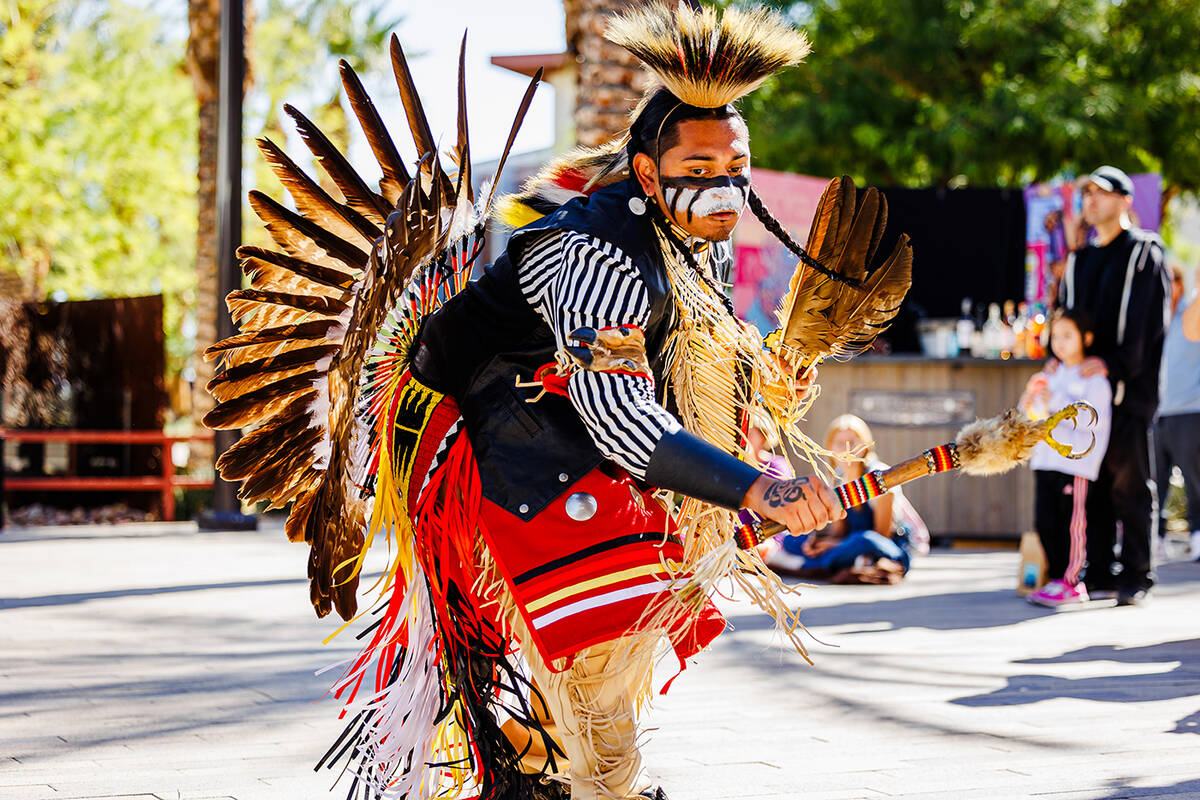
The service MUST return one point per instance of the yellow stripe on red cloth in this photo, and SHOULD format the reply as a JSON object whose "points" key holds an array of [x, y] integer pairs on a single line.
{"points": [[595, 583]]}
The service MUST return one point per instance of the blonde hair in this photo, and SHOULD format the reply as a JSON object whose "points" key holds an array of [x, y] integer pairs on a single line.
{"points": [[855, 424]]}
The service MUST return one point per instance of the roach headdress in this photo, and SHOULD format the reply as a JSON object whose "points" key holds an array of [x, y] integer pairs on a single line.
{"points": [[705, 59]]}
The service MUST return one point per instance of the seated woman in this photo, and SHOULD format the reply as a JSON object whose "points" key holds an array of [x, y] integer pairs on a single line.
{"points": [[870, 545]]}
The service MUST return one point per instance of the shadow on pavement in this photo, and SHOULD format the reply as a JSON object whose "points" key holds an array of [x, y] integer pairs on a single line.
{"points": [[83, 597], [1181, 681], [950, 611], [256, 671], [1189, 724], [1185, 650], [1185, 788]]}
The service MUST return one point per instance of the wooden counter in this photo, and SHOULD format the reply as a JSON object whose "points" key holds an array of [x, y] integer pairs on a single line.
{"points": [[912, 403]]}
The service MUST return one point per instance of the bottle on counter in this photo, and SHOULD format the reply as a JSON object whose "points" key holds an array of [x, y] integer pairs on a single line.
{"points": [[965, 329], [1008, 340], [1021, 332], [993, 332], [1037, 336]]}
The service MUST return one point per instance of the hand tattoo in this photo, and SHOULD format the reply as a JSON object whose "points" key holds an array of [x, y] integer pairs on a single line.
{"points": [[783, 493]]}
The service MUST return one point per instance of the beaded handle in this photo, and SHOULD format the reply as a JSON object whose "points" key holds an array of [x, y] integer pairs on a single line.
{"points": [[942, 458]]}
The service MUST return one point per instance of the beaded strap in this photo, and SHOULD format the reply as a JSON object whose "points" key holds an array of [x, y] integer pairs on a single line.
{"points": [[857, 492], [750, 535], [942, 458]]}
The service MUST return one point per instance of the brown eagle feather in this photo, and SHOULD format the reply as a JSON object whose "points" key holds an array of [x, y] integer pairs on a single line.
{"points": [[822, 316], [313, 311]]}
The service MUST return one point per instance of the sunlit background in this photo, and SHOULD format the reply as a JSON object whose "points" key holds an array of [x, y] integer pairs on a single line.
{"points": [[108, 135]]}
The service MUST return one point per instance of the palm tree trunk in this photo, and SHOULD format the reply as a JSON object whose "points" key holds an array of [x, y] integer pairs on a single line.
{"points": [[203, 56], [203, 62], [609, 78]]}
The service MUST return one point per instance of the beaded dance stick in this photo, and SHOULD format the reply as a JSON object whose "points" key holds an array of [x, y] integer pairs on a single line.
{"points": [[985, 447]]}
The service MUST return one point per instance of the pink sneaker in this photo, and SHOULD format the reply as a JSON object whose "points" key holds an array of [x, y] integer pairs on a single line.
{"points": [[1058, 593]]}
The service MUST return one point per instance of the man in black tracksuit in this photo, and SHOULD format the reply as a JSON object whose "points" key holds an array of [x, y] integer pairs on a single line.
{"points": [[1120, 280]]}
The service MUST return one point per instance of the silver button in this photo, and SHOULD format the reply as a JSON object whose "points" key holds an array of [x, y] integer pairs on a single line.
{"points": [[523, 508], [563, 477], [581, 506]]}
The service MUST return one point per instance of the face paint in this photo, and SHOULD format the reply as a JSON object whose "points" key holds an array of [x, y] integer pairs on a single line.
{"points": [[702, 197]]}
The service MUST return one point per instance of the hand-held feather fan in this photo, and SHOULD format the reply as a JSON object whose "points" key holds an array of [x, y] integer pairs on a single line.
{"points": [[838, 310]]}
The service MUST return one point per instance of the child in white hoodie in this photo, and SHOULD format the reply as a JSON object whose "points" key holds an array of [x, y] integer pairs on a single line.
{"points": [[1060, 504]]}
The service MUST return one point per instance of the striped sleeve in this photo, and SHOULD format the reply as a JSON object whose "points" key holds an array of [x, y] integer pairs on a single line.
{"points": [[574, 281]]}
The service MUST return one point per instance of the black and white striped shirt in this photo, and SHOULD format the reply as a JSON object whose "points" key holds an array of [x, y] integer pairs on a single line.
{"points": [[575, 280]]}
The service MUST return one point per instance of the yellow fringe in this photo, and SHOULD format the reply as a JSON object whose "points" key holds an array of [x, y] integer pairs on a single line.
{"points": [[719, 370]]}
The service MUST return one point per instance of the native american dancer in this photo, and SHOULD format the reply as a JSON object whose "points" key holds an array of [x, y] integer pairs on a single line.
{"points": [[555, 448]]}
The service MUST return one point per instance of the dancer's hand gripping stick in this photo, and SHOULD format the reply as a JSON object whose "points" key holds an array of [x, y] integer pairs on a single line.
{"points": [[985, 447]]}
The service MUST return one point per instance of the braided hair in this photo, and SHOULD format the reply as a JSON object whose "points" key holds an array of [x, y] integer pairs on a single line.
{"points": [[775, 227]]}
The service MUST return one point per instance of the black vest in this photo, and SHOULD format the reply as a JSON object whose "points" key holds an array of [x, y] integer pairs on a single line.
{"points": [[487, 337]]}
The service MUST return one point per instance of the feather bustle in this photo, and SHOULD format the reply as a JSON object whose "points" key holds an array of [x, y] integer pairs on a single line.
{"points": [[250, 375], [395, 175], [358, 195], [247, 409], [313, 202], [288, 336], [319, 305], [303, 238], [463, 149], [315, 311], [269, 269]]}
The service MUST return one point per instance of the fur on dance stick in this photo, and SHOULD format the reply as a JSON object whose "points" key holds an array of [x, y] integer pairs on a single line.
{"points": [[996, 445]]}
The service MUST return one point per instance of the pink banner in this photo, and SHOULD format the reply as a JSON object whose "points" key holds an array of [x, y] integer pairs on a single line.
{"points": [[764, 267]]}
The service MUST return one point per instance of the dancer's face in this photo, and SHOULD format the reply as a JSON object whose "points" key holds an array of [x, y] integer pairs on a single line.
{"points": [[703, 181]]}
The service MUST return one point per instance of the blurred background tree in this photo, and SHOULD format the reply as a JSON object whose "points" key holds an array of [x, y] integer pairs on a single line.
{"points": [[95, 122], [108, 142], [986, 92]]}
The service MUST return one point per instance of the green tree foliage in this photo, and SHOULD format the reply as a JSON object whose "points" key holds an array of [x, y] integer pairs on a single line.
{"points": [[297, 46], [986, 92], [97, 132]]}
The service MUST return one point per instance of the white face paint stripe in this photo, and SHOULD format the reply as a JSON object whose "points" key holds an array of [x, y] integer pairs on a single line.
{"points": [[678, 199], [714, 201], [710, 201]]}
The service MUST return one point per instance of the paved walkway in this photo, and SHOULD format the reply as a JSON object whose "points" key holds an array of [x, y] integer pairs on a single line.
{"points": [[153, 661]]}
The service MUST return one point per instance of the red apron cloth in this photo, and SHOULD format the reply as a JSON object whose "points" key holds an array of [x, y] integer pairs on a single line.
{"points": [[575, 583], [578, 583]]}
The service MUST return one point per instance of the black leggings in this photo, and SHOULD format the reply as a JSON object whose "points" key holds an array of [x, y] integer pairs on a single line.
{"points": [[1123, 492]]}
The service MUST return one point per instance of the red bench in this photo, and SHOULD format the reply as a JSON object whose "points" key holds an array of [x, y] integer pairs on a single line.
{"points": [[165, 484]]}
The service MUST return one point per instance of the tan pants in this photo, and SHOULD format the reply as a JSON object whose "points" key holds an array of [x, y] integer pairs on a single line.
{"points": [[593, 706]]}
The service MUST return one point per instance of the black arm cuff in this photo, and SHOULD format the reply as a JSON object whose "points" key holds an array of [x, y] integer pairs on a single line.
{"points": [[685, 463]]}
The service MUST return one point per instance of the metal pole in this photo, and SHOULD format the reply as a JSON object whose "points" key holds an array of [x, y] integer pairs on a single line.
{"points": [[226, 507]]}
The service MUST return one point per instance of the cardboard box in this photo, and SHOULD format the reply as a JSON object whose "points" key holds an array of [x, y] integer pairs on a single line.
{"points": [[1032, 574]]}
